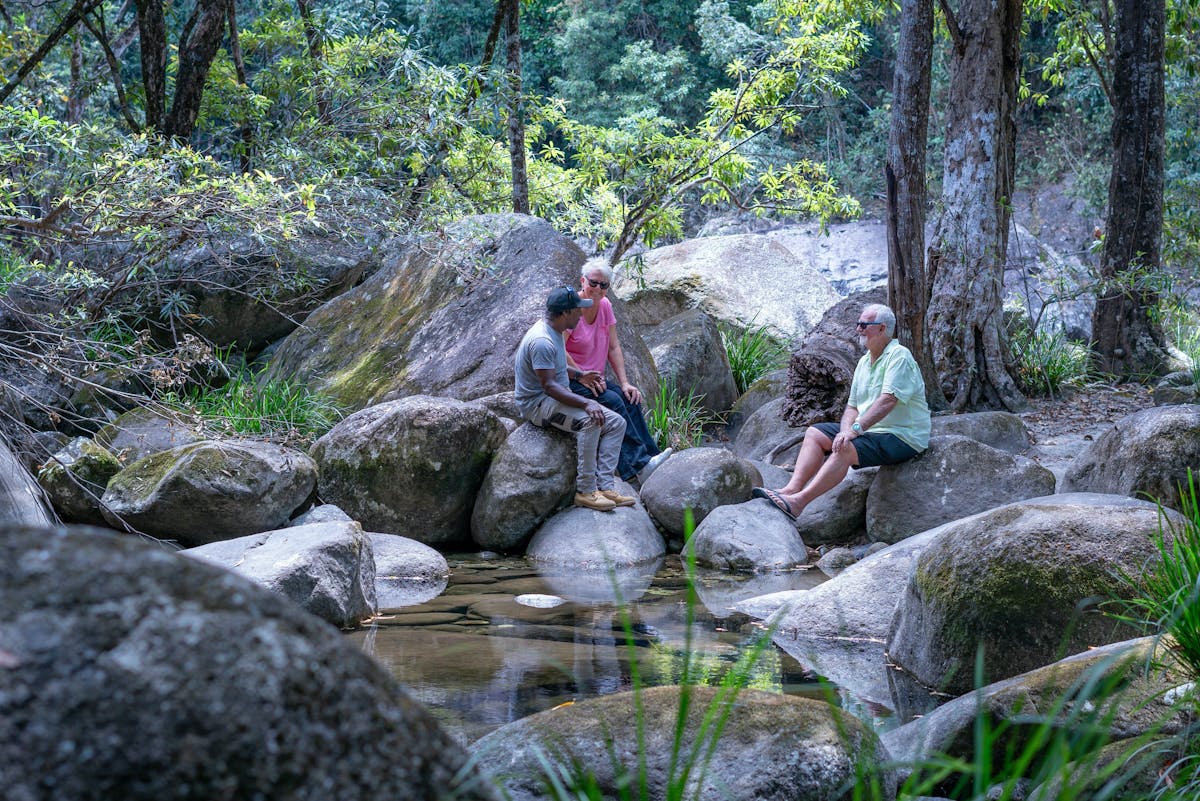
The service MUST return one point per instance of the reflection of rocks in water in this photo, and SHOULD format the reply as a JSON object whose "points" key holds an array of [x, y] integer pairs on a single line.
{"points": [[720, 590], [618, 585], [397, 593], [911, 698]]}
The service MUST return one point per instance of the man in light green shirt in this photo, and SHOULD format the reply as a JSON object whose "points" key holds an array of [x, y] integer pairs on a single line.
{"points": [[886, 420]]}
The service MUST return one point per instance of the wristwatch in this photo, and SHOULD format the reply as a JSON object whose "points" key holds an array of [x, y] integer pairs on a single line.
{"points": [[856, 427]]}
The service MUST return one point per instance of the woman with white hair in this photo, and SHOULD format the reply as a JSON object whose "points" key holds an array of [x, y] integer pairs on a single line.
{"points": [[591, 346]]}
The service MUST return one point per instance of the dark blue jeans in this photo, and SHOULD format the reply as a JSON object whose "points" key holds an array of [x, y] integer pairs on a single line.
{"points": [[638, 445]]}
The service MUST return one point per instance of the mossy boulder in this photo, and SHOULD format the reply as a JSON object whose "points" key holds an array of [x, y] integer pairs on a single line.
{"points": [[772, 747], [167, 679], [143, 431], [210, 490], [1021, 582], [443, 316], [1117, 687], [411, 467], [75, 479]]}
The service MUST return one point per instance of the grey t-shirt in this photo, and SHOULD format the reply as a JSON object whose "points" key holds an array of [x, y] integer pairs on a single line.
{"points": [[542, 348]]}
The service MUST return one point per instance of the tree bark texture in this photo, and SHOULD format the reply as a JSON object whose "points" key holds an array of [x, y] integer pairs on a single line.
{"points": [[516, 110], [822, 365], [198, 44], [1127, 342], [908, 285], [152, 42], [967, 251]]}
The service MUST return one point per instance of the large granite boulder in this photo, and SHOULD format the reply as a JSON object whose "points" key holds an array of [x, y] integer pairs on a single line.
{"points": [[839, 515], [210, 491], [956, 477], [742, 280], [584, 539], [769, 387], [411, 466], [407, 572], [1004, 431], [764, 435], [532, 474], [1065, 694], [688, 352], [327, 569], [1147, 454], [21, 499], [838, 628], [443, 316], [75, 479], [771, 748], [133, 673], [1022, 583], [143, 431], [699, 479], [749, 537]]}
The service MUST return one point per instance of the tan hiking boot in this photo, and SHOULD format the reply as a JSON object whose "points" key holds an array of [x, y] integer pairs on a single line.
{"points": [[618, 498], [594, 500]]}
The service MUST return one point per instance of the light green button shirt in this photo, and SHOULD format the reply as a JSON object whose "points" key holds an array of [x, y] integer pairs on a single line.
{"points": [[895, 372]]}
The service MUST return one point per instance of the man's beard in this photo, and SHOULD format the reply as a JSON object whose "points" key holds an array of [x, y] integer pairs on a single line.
{"points": [[862, 340]]}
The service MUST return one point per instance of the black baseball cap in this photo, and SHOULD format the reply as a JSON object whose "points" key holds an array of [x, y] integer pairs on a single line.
{"points": [[564, 299]]}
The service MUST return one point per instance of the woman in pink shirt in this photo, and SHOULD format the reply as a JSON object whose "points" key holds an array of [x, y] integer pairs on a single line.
{"points": [[592, 345]]}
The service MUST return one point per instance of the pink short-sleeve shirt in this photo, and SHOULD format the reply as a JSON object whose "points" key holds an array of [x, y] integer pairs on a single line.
{"points": [[587, 343]]}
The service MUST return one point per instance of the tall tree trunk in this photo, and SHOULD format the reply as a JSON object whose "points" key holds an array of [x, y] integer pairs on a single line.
{"points": [[967, 252], [198, 44], [75, 101], [316, 53], [1127, 342], [239, 66], [516, 110], [152, 41], [908, 286]]}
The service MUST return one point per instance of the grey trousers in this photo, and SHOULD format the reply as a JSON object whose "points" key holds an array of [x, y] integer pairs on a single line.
{"points": [[599, 446]]}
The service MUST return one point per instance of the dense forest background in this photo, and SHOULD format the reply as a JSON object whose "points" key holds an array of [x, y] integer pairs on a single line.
{"points": [[131, 131]]}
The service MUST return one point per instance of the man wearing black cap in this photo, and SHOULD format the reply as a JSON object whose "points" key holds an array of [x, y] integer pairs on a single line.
{"points": [[544, 397]]}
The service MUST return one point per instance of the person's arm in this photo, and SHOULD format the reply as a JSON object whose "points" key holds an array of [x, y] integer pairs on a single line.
{"points": [[565, 396], [845, 434], [616, 357], [874, 413]]}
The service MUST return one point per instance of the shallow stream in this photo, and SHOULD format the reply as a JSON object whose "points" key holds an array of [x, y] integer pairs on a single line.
{"points": [[505, 638]]}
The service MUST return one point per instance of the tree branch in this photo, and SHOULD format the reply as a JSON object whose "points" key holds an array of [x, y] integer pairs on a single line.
{"points": [[64, 27], [956, 35]]}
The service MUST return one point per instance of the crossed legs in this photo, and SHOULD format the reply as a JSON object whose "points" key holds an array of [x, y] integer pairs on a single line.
{"points": [[818, 469]]}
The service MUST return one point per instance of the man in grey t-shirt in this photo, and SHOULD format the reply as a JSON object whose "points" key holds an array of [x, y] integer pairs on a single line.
{"points": [[544, 398]]}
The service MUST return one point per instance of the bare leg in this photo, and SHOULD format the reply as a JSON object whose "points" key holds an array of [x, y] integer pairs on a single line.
{"points": [[812, 454], [828, 476]]}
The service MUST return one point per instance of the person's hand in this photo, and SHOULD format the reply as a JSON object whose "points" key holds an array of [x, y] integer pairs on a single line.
{"points": [[593, 380], [594, 411], [842, 439], [631, 393]]}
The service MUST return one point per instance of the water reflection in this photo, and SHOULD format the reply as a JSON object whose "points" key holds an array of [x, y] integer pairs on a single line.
{"points": [[478, 658]]}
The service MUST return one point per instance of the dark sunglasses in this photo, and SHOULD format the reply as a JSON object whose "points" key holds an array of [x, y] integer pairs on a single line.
{"points": [[862, 324], [599, 284]]}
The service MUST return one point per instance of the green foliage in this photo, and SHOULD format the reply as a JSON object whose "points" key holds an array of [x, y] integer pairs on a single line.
{"points": [[1045, 360], [752, 353], [1167, 599], [677, 420], [276, 410]]}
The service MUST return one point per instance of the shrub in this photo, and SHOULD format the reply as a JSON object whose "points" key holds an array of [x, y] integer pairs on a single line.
{"points": [[752, 353], [678, 420], [1045, 360]]}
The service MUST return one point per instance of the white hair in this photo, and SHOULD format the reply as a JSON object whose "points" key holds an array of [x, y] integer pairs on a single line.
{"points": [[883, 315], [597, 263]]}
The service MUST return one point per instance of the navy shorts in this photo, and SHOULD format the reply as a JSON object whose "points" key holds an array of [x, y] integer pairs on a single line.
{"points": [[874, 450]]}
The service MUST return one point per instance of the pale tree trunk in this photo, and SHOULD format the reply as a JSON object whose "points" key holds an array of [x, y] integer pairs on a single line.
{"points": [[516, 110], [75, 101], [1128, 343], [967, 251], [908, 286]]}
